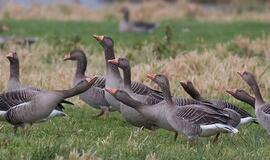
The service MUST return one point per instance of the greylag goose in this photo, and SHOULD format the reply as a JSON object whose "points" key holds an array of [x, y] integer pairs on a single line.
{"points": [[242, 95], [194, 93], [94, 96], [36, 107], [262, 109], [126, 25], [130, 114], [113, 78], [15, 84], [190, 120]]}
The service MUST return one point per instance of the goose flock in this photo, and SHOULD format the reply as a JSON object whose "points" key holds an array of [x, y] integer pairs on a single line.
{"points": [[140, 105]]}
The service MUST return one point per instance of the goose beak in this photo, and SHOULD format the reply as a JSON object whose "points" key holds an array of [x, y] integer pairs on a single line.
{"points": [[241, 73], [67, 57], [231, 91], [151, 76], [112, 91], [113, 61], [91, 79], [10, 55], [98, 37], [183, 83]]}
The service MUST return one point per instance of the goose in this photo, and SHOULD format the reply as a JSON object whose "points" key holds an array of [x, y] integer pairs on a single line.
{"points": [[190, 120], [130, 114], [34, 107], [126, 25], [94, 96], [262, 109], [15, 84], [113, 77], [242, 95], [194, 93]]}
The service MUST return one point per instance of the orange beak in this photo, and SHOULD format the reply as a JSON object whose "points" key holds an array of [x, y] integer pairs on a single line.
{"points": [[151, 76], [112, 91], [67, 57], [10, 55], [113, 61], [99, 37], [241, 73], [91, 78]]}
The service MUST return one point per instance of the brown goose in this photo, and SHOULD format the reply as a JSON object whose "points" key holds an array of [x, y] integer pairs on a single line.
{"points": [[15, 84], [243, 96], [126, 25], [94, 96], [190, 120], [36, 107], [262, 109], [113, 78], [194, 93], [130, 114]]}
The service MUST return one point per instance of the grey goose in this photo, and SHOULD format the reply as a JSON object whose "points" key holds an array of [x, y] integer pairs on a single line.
{"points": [[95, 95], [262, 109], [194, 93], [113, 77], [30, 107], [191, 120], [130, 114], [15, 84], [126, 25]]}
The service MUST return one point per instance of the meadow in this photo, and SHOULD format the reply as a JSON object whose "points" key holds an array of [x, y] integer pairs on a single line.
{"points": [[208, 53]]}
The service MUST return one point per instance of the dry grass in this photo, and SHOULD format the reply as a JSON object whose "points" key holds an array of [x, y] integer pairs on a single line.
{"points": [[211, 70], [147, 10]]}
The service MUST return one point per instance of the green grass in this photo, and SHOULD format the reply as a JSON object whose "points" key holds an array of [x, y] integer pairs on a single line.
{"points": [[113, 138], [190, 33]]}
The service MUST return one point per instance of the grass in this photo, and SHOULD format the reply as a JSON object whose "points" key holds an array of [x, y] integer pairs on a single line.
{"points": [[210, 54]]}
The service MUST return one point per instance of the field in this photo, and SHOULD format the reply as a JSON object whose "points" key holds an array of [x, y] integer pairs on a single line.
{"points": [[208, 53]]}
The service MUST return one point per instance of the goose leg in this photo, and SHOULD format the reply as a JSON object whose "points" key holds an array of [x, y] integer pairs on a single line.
{"points": [[175, 136], [215, 140], [100, 113]]}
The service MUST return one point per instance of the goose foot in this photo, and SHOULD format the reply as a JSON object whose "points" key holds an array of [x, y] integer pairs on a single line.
{"points": [[104, 110], [215, 140], [175, 136]]}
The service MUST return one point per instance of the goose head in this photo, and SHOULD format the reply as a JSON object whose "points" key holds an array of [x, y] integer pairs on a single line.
{"points": [[75, 55], [120, 62], [160, 79], [237, 92], [248, 77], [12, 57], [104, 41]]}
